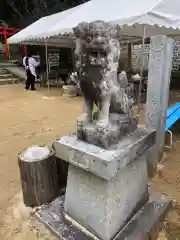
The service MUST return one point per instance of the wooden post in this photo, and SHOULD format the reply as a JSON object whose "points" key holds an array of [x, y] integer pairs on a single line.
{"points": [[129, 57], [47, 65], [25, 50], [6, 45], [41, 175]]}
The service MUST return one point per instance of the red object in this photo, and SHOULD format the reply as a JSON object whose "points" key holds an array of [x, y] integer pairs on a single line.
{"points": [[25, 50], [7, 32]]}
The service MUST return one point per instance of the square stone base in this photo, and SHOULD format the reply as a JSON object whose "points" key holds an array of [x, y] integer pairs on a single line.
{"points": [[138, 228], [104, 207], [102, 162]]}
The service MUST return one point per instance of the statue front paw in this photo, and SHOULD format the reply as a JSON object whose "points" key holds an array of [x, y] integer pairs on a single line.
{"points": [[102, 124], [84, 119]]}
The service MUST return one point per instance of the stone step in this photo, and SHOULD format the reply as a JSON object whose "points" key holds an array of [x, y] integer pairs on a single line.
{"points": [[3, 71], [4, 81], [7, 64], [5, 75], [18, 72]]}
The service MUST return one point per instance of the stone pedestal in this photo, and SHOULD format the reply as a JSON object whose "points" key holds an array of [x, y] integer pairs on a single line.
{"points": [[104, 207], [105, 188], [141, 227]]}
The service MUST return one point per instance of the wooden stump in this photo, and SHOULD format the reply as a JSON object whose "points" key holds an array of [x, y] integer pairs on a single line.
{"points": [[39, 171]]}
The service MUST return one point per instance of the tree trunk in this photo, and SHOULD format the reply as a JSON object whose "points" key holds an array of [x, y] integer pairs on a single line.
{"points": [[41, 173]]}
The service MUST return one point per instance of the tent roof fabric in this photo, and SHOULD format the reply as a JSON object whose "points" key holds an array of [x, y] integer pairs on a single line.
{"points": [[158, 17], [39, 27]]}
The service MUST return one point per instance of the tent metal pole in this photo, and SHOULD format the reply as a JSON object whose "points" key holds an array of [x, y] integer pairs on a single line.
{"points": [[141, 72], [47, 64]]}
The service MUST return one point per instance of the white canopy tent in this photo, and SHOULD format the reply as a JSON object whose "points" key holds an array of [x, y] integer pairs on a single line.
{"points": [[158, 16], [137, 18], [29, 34]]}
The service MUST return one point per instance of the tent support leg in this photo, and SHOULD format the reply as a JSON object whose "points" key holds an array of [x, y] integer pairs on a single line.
{"points": [[141, 73], [47, 64], [171, 140]]}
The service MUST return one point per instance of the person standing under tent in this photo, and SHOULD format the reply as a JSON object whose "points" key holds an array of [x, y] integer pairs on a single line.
{"points": [[30, 65]]}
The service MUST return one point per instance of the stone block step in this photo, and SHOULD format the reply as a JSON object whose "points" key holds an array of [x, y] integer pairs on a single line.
{"points": [[5, 75], [9, 81], [3, 71], [7, 64]]}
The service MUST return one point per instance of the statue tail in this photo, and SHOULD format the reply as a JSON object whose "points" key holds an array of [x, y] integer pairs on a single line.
{"points": [[123, 80], [125, 102]]}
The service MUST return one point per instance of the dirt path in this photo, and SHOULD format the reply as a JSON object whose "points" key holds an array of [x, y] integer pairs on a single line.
{"points": [[29, 118], [39, 117]]}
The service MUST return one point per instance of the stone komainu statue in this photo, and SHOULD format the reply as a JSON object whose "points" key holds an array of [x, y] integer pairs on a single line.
{"points": [[97, 58]]}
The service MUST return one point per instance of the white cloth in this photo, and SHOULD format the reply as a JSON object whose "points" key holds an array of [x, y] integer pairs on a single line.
{"points": [[160, 17], [32, 65]]}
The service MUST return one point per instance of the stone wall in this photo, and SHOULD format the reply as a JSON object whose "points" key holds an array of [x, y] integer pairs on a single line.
{"points": [[137, 56]]}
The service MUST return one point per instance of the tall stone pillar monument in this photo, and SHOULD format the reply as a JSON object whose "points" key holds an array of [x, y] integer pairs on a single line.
{"points": [[159, 73]]}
